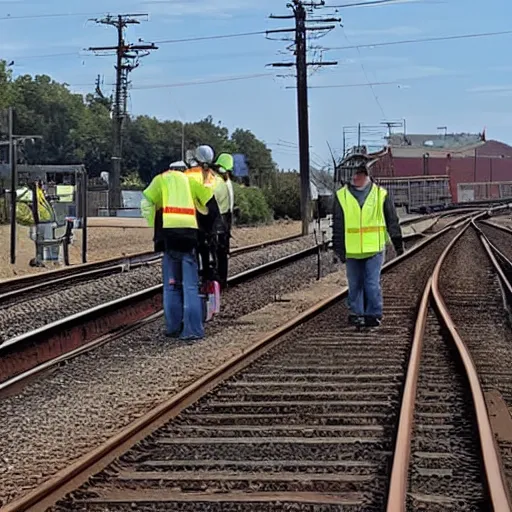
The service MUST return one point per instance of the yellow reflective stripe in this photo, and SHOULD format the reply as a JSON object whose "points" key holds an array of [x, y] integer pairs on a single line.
{"points": [[369, 229]]}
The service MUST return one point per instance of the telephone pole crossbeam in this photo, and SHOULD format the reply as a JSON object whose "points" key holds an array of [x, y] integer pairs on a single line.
{"points": [[127, 59], [301, 29]]}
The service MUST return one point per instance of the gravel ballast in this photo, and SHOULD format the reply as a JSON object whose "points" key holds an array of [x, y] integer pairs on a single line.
{"points": [[62, 416], [39, 311]]}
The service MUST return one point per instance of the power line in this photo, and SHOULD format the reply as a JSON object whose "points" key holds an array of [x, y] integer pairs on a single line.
{"points": [[204, 82], [52, 15], [368, 3], [341, 86], [422, 40], [209, 38], [379, 104], [349, 47]]}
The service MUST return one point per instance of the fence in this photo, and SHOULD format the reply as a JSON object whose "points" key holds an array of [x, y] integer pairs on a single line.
{"points": [[418, 192], [483, 191]]}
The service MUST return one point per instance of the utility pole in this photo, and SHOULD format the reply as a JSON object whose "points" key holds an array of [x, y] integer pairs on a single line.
{"points": [[127, 59], [300, 11]]}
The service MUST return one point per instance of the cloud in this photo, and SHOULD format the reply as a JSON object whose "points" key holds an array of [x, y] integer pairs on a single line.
{"points": [[492, 90]]}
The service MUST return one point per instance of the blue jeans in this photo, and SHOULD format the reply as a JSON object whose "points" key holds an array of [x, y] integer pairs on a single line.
{"points": [[183, 308], [364, 290]]}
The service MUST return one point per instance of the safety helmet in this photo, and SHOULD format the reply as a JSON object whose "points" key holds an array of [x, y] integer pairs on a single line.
{"points": [[190, 159], [225, 162], [204, 155]]}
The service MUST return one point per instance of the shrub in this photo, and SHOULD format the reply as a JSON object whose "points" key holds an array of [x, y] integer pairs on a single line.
{"points": [[252, 205], [283, 195]]}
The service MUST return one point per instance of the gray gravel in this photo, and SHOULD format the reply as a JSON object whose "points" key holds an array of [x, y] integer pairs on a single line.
{"points": [[86, 401], [39, 311]]}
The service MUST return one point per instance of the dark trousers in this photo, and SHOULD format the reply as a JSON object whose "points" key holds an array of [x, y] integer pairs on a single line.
{"points": [[222, 258]]}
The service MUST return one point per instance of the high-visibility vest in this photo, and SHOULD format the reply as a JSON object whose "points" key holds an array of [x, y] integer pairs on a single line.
{"points": [[172, 191], [197, 174], [221, 193], [365, 228], [24, 203]]}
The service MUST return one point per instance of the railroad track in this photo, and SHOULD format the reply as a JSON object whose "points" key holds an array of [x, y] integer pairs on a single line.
{"points": [[30, 308], [499, 236], [27, 354], [50, 282], [56, 336], [299, 409], [311, 421]]}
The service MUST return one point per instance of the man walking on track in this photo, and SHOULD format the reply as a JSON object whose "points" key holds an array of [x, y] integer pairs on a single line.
{"points": [[364, 220], [169, 205]]}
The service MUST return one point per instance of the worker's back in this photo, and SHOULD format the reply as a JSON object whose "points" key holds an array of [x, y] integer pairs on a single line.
{"points": [[174, 198]]}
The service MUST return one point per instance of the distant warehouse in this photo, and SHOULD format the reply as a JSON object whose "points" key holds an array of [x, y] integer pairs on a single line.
{"points": [[425, 171]]}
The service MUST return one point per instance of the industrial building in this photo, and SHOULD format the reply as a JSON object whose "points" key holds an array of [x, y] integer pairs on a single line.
{"points": [[426, 171]]}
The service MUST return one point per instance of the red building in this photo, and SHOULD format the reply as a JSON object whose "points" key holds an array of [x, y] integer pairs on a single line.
{"points": [[472, 167]]}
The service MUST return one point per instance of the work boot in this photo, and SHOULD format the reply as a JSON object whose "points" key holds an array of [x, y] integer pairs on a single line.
{"points": [[356, 321], [372, 321]]}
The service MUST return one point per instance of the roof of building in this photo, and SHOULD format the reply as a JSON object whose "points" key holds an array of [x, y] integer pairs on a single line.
{"points": [[323, 186], [435, 141]]}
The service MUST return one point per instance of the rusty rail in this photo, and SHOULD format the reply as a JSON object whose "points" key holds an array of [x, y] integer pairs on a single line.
{"points": [[75, 475], [37, 350], [496, 483]]}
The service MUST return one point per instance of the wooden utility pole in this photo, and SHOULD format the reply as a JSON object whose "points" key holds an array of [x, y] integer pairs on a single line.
{"points": [[127, 59], [301, 47]]}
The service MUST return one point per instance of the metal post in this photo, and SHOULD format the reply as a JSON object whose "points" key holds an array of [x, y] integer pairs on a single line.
{"points": [[12, 160], [84, 217], [182, 142]]}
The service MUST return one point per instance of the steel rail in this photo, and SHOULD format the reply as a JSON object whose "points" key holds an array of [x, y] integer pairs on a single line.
{"points": [[18, 287], [496, 483], [72, 477], [496, 256], [491, 224], [84, 330], [27, 354]]}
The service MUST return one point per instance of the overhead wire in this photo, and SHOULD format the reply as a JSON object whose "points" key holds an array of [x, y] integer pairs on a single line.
{"points": [[377, 100], [209, 38], [348, 47], [422, 40], [48, 15]]}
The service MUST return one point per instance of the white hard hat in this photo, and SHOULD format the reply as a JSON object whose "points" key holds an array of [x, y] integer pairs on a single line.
{"points": [[204, 154]]}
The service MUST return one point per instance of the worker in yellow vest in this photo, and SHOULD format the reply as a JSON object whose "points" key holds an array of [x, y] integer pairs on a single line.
{"points": [[169, 205], [201, 161], [364, 220], [222, 165]]}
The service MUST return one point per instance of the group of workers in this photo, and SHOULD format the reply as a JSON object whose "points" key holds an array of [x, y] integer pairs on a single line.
{"points": [[192, 214]]}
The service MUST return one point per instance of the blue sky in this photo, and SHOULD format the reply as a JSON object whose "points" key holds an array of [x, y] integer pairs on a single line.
{"points": [[465, 85]]}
